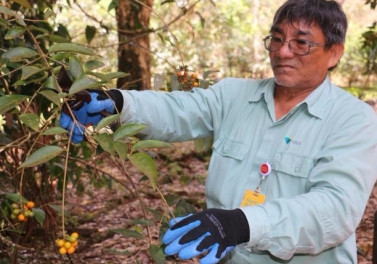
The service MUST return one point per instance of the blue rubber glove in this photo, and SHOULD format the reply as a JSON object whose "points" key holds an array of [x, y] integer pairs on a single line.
{"points": [[88, 114], [213, 231]]}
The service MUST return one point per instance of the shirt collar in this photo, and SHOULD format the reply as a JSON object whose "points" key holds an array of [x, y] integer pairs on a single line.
{"points": [[265, 90], [316, 101]]}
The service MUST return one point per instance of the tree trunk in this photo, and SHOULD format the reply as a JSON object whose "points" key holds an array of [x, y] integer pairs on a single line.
{"points": [[134, 48]]}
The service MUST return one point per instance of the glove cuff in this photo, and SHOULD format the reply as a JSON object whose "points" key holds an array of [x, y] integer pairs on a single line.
{"points": [[242, 225], [117, 97]]}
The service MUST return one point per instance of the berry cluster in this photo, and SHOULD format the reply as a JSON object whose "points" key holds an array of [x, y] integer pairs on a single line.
{"points": [[21, 212], [68, 244], [186, 79]]}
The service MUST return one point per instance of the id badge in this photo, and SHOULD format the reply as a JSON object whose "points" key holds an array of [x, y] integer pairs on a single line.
{"points": [[252, 198]]}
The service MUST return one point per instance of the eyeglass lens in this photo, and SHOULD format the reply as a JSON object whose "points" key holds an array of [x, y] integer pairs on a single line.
{"points": [[297, 46]]}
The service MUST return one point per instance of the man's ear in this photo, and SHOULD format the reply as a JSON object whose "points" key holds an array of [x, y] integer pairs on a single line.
{"points": [[336, 52]]}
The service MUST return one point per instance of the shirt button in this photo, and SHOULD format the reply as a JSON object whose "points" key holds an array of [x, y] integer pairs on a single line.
{"points": [[297, 169]]}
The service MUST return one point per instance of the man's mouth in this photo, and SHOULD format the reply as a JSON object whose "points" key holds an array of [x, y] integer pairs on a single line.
{"points": [[283, 66]]}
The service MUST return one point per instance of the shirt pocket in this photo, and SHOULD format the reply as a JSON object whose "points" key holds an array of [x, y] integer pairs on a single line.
{"points": [[293, 164], [231, 148]]}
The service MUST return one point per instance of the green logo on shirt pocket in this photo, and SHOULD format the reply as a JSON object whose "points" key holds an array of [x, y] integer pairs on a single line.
{"points": [[291, 140]]}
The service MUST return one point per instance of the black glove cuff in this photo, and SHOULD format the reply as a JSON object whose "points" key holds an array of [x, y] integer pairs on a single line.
{"points": [[241, 223], [117, 97]]}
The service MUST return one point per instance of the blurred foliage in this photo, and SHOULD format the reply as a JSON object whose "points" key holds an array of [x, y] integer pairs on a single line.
{"points": [[37, 160]]}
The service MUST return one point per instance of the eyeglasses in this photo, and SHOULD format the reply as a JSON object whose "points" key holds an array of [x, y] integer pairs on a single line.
{"points": [[299, 47]]}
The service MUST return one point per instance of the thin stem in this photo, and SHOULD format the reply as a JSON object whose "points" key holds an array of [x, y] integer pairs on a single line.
{"points": [[65, 180]]}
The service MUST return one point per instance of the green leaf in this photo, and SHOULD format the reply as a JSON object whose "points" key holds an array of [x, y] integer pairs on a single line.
{"points": [[51, 83], [15, 197], [59, 39], [8, 102], [150, 144], [106, 122], [84, 82], [39, 215], [70, 47], [49, 13], [106, 142], [28, 71], [31, 120], [19, 53], [113, 5], [61, 56], [7, 11], [90, 32], [121, 148], [127, 232], [75, 67], [109, 76], [41, 155], [56, 208], [142, 221], [54, 131], [157, 254], [93, 65], [4, 23], [128, 130], [14, 32], [20, 20], [146, 165], [39, 29], [51, 96], [167, 1]]}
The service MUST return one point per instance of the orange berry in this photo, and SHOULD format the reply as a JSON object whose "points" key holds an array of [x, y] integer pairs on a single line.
{"points": [[62, 250], [71, 250], [74, 244], [21, 218], [60, 242], [196, 84], [67, 245], [75, 234], [30, 204]]}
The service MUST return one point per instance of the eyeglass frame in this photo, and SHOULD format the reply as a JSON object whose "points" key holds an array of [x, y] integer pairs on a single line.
{"points": [[310, 45]]}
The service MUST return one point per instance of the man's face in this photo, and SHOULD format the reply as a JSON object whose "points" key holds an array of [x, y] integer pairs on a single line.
{"points": [[302, 72]]}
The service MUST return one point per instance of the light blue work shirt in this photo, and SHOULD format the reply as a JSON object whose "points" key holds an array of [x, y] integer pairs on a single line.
{"points": [[323, 156]]}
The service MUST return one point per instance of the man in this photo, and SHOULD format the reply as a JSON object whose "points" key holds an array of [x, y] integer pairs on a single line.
{"points": [[294, 156]]}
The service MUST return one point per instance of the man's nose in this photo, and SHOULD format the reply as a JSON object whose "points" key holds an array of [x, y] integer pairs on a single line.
{"points": [[285, 50]]}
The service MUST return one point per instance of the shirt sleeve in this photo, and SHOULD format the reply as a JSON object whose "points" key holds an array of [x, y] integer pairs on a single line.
{"points": [[338, 187], [174, 116]]}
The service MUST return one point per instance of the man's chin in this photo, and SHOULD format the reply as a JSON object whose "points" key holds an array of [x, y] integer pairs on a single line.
{"points": [[284, 82]]}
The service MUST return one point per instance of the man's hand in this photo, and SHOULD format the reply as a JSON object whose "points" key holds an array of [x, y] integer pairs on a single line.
{"points": [[89, 113], [213, 231]]}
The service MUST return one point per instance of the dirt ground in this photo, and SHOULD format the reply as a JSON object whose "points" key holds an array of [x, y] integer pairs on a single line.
{"points": [[100, 210]]}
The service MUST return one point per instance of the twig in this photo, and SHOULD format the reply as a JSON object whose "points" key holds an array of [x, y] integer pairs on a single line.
{"points": [[10, 243]]}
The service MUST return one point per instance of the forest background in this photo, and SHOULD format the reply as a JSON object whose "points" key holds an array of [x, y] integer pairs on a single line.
{"points": [[114, 190]]}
